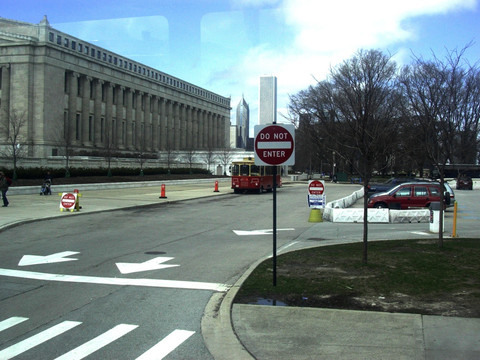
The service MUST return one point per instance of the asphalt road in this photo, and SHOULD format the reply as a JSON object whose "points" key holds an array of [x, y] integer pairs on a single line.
{"points": [[81, 295], [103, 302]]}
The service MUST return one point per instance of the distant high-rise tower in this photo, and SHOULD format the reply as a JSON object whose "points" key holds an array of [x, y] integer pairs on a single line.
{"points": [[243, 124], [267, 100]]}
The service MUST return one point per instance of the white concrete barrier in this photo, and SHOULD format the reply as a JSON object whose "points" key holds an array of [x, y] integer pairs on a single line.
{"points": [[339, 211]]}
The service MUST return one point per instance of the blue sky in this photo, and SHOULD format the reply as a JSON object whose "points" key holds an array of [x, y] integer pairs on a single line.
{"points": [[226, 45]]}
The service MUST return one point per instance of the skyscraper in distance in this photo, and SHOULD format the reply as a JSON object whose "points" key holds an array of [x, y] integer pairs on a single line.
{"points": [[267, 100], [243, 123]]}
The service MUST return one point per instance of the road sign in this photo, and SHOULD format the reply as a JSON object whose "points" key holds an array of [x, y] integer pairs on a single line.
{"points": [[274, 144], [68, 201], [316, 194], [316, 187]]}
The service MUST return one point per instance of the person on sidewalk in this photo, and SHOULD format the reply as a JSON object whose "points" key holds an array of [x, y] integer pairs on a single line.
{"points": [[4, 184]]}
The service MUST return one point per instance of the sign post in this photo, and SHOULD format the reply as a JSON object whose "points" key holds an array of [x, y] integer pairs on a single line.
{"points": [[274, 146]]}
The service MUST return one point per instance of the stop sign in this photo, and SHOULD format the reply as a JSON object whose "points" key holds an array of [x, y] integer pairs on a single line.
{"points": [[68, 200], [275, 144], [316, 187]]}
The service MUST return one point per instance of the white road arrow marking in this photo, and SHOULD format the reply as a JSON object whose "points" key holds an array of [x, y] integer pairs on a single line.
{"points": [[153, 264], [27, 260], [259, 232]]}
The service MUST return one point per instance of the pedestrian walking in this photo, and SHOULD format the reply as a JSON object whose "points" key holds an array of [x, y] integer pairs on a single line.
{"points": [[5, 182]]}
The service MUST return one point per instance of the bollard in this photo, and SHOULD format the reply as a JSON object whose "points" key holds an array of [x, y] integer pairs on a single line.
{"points": [[162, 193], [77, 202], [315, 215], [216, 186]]}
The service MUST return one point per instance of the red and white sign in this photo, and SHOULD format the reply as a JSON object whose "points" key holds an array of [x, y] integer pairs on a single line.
{"points": [[68, 201], [275, 144], [316, 187]]}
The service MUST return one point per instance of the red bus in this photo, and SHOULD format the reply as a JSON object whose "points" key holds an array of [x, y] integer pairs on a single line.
{"points": [[248, 176]]}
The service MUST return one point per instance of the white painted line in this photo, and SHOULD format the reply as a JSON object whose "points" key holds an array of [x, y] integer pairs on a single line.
{"points": [[420, 233], [97, 343], [167, 345], [36, 340], [115, 281], [274, 145], [14, 320], [259, 232]]}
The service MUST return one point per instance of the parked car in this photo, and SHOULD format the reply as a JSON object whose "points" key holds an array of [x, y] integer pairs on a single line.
{"points": [[380, 187], [408, 195], [464, 182]]}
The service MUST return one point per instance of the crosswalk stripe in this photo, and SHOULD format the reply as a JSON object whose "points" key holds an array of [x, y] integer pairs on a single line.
{"points": [[38, 339], [14, 320], [167, 345], [98, 342]]}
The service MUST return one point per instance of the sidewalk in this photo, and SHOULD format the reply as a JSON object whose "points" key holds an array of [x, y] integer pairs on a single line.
{"points": [[237, 331]]}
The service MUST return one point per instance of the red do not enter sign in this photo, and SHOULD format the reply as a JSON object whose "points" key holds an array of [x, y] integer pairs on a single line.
{"points": [[316, 187], [275, 144], [68, 200]]}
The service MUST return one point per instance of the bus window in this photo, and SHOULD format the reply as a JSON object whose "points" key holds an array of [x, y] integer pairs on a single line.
{"points": [[268, 170], [255, 170], [235, 170], [244, 170]]}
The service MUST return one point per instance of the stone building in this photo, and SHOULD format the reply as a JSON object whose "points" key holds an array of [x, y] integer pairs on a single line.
{"points": [[79, 98]]}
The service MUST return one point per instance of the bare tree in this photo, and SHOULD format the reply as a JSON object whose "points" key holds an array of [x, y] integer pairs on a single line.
{"points": [[208, 156], [12, 135], [443, 102], [169, 155], [189, 157], [225, 157], [356, 111]]}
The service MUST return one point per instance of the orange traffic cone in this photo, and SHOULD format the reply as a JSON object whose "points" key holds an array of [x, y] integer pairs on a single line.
{"points": [[162, 194], [216, 186]]}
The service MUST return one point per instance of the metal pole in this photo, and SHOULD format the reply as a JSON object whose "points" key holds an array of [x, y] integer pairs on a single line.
{"points": [[274, 226]]}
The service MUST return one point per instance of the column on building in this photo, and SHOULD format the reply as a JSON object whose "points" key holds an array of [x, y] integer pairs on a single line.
{"points": [[176, 125], [138, 120], [119, 116], [85, 129], [189, 143], [183, 126], [206, 134], [147, 121], [70, 135], [201, 128], [163, 124], [215, 124], [108, 130], [155, 124], [170, 126], [130, 93], [195, 128], [97, 112], [5, 99]]}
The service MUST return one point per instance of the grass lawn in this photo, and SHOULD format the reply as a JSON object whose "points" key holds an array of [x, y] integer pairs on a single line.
{"points": [[412, 276]]}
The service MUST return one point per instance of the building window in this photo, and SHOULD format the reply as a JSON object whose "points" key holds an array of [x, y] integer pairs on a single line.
{"points": [[59, 40], [92, 53], [51, 36], [65, 42], [74, 45], [80, 47], [79, 87], [99, 55], [110, 59], [135, 68], [104, 57]]}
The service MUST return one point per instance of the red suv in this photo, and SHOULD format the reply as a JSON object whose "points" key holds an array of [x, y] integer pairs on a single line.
{"points": [[408, 195]]}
